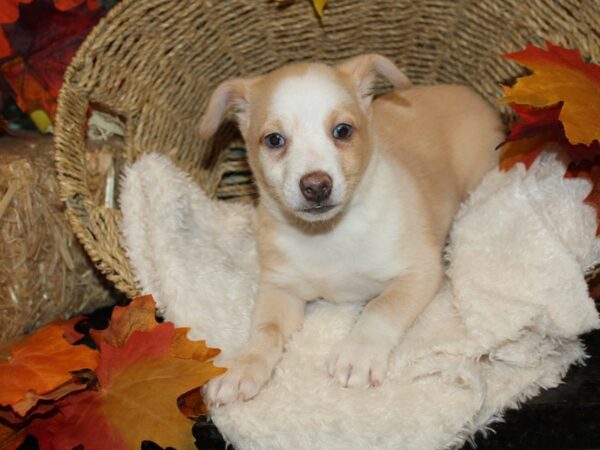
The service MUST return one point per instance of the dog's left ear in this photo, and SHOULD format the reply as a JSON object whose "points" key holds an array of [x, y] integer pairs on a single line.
{"points": [[362, 71]]}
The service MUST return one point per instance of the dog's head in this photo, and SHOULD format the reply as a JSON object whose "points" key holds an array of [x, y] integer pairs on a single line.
{"points": [[306, 128]]}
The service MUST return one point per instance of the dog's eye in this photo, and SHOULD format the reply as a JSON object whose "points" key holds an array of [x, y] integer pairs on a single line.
{"points": [[274, 140], [342, 131]]}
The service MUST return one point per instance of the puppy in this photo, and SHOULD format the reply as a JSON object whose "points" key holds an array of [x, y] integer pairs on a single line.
{"points": [[356, 199]]}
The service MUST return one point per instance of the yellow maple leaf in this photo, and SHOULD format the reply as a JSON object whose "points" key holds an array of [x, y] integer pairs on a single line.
{"points": [[560, 76], [319, 5]]}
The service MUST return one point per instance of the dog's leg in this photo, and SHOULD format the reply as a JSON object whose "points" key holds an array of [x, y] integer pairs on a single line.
{"points": [[277, 314], [361, 360]]}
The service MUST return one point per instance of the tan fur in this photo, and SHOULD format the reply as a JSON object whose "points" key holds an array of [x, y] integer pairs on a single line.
{"points": [[425, 129], [413, 156]]}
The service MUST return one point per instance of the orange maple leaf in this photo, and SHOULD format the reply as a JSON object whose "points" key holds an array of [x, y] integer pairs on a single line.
{"points": [[560, 75], [41, 363], [68, 326], [559, 107], [142, 382], [137, 399], [139, 315]]}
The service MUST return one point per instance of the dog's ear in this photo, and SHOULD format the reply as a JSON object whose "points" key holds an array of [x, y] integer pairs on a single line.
{"points": [[229, 95], [361, 70]]}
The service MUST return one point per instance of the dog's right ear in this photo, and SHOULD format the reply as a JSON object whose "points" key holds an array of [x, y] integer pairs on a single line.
{"points": [[229, 95]]}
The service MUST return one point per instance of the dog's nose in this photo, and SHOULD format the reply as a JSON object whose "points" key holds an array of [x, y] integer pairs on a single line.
{"points": [[316, 186]]}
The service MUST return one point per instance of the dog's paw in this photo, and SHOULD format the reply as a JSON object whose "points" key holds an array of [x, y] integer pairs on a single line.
{"points": [[355, 363], [242, 381]]}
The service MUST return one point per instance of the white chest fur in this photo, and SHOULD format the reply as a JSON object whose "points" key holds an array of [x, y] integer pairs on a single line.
{"points": [[353, 261]]}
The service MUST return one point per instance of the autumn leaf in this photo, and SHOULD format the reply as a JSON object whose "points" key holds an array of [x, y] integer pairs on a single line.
{"points": [[560, 76], [68, 327], [139, 315], [527, 138], [182, 347], [590, 171], [9, 13], [9, 437], [319, 5], [5, 49], [137, 399], [9, 10], [191, 404], [79, 420], [558, 107], [65, 5], [41, 363], [41, 45], [147, 374], [32, 399], [537, 128]]}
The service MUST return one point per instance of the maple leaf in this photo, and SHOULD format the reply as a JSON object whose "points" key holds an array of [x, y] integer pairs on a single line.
{"points": [[68, 327], [537, 128], [9, 13], [41, 363], [9, 437], [64, 5], [5, 49], [9, 10], [191, 404], [43, 42], [560, 76], [318, 5], [139, 315], [25, 406], [591, 171], [137, 399]]}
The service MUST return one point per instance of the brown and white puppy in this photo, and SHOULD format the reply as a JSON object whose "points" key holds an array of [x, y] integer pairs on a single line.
{"points": [[356, 199]]}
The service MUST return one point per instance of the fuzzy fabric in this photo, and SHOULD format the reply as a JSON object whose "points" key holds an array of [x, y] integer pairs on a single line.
{"points": [[504, 325]]}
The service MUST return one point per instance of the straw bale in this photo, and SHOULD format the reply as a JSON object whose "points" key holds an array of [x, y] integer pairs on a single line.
{"points": [[44, 272]]}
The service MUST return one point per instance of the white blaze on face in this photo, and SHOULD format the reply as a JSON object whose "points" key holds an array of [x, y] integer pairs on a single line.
{"points": [[303, 106]]}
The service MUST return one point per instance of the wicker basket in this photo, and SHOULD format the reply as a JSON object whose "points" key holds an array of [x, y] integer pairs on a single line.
{"points": [[154, 63]]}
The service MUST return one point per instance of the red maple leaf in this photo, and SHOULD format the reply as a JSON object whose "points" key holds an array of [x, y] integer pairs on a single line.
{"points": [[557, 103], [9, 10], [65, 5], [536, 128], [145, 376], [43, 42], [9, 13], [591, 171]]}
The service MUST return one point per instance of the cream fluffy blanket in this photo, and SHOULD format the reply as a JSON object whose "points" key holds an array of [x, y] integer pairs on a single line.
{"points": [[505, 323]]}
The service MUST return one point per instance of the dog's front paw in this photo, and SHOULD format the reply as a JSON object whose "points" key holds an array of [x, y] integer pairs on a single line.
{"points": [[244, 377], [356, 363]]}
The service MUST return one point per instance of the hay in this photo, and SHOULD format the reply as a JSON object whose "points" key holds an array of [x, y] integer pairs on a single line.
{"points": [[44, 272]]}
